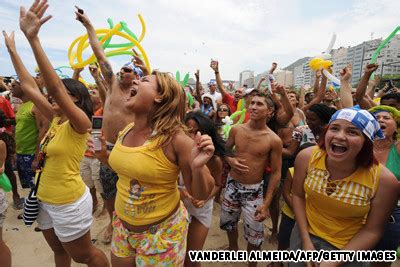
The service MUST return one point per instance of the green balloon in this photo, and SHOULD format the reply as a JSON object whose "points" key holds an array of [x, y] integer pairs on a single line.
{"points": [[185, 80], [5, 182], [383, 44], [127, 30]]}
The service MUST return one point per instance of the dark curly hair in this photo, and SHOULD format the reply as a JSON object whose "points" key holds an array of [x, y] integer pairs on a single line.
{"points": [[6, 137], [207, 126]]}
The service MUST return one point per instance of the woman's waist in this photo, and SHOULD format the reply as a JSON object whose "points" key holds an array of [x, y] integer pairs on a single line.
{"points": [[154, 225]]}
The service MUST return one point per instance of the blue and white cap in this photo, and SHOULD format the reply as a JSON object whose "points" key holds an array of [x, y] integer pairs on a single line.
{"points": [[135, 69], [362, 119]]}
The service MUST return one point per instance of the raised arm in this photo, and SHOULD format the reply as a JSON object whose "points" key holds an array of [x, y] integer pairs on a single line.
{"points": [[199, 87], [30, 23], [42, 124], [282, 118], [101, 85], [318, 74], [372, 84], [362, 86], [215, 66], [98, 51], [345, 87], [319, 96], [28, 84], [302, 97], [77, 74], [260, 82]]}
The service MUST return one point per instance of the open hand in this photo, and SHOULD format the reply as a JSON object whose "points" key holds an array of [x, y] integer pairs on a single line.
{"points": [[139, 63], [202, 150], [31, 21]]}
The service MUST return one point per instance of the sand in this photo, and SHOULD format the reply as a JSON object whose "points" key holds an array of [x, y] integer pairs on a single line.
{"points": [[29, 248]]}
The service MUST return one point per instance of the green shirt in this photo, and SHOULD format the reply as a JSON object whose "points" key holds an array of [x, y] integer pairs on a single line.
{"points": [[26, 131]]}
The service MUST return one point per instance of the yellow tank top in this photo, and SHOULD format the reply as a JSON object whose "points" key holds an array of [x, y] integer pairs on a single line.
{"points": [[337, 210], [286, 209], [147, 188], [61, 182]]}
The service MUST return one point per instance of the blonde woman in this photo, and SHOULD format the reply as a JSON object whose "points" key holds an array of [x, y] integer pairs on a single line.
{"points": [[150, 222]]}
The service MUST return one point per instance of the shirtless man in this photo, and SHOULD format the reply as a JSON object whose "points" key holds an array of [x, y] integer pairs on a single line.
{"points": [[257, 147], [117, 88]]}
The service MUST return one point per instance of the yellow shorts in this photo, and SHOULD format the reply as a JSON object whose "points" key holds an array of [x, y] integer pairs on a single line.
{"points": [[163, 244]]}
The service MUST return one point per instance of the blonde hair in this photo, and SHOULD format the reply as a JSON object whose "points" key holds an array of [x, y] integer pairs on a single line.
{"points": [[167, 118]]}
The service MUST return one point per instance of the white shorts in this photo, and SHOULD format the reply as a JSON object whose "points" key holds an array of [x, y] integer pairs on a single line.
{"points": [[70, 221], [90, 172], [203, 215]]}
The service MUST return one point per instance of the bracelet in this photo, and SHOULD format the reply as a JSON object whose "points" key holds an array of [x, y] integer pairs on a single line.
{"points": [[216, 72]]}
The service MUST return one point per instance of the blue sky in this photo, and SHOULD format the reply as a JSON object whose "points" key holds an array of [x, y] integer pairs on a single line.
{"points": [[185, 35]]}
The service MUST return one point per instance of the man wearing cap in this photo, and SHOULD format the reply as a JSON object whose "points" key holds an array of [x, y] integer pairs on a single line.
{"points": [[217, 97], [116, 86]]}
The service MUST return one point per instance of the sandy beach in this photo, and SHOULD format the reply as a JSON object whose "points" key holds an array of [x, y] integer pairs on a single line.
{"points": [[29, 248]]}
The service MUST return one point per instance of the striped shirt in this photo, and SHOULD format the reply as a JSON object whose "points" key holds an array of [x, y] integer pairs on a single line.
{"points": [[337, 209]]}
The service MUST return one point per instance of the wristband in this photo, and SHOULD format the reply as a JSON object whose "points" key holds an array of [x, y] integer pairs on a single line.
{"points": [[216, 72]]}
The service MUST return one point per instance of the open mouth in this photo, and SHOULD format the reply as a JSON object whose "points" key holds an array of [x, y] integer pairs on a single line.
{"points": [[338, 148]]}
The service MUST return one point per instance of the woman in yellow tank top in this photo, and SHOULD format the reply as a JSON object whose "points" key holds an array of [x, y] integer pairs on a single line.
{"points": [[65, 204], [349, 194], [150, 223]]}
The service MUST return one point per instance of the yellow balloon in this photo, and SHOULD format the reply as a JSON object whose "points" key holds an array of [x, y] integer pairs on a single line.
{"points": [[326, 64], [81, 43], [315, 63], [143, 28], [84, 82]]}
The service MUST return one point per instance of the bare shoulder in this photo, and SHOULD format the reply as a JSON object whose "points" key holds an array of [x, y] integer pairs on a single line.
{"points": [[305, 154], [387, 178], [180, 140], [237, 128]]}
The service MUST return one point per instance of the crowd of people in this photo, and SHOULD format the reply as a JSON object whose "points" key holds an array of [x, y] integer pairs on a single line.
{"points": [[332, 156]]}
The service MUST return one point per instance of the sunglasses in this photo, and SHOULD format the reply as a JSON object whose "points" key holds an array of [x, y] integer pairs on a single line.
{"points": [[223, 109], [127, 70]]}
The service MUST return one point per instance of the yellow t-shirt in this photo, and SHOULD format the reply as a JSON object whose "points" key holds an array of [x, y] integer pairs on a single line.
{"points": [[147, 188], [337, 210], [61, 182], [286, 209]]}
